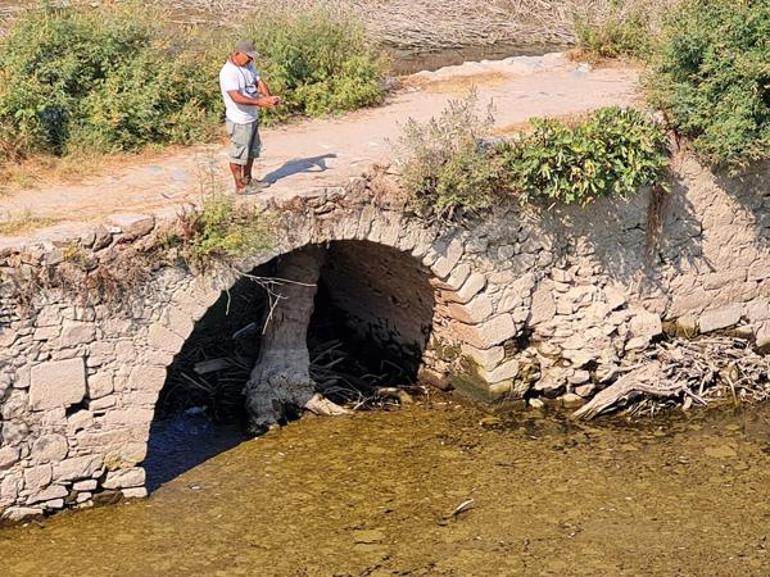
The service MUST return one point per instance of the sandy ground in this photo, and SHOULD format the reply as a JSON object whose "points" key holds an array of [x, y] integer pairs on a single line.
{"points": [[303, 157]]}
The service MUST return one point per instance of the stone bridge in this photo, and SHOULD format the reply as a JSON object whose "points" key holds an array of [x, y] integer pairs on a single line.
{"points": [[525, 302]]}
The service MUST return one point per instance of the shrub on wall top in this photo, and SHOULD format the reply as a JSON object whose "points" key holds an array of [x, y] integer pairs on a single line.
{"points": [[711, 74], [612, 153]]}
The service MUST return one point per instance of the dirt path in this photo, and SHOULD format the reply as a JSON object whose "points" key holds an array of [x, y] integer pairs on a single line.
{"points": [[303, 157]]}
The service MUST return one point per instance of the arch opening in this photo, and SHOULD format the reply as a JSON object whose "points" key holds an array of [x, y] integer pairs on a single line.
{"points": [[372, 316]]}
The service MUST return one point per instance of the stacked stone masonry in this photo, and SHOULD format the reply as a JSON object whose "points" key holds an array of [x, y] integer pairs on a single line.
{"points": [[526, 302]]}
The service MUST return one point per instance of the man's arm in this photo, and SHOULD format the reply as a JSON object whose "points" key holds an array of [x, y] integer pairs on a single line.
{"points": [[263, 89], [262, 101]]}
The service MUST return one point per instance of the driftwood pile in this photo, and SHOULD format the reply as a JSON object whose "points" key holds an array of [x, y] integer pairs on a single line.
{"points": [[682, 372]]}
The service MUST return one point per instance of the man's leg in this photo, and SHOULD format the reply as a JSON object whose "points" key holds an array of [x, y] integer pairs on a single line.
{"points": [[237, 170]]}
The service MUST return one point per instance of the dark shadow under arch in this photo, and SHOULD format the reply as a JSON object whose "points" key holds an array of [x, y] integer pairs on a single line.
{"points": [[373, 311]]}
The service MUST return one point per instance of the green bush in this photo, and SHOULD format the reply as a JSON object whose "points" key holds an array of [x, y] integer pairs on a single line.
{"points": [[319, 60], [610, 154], [109, 79], [711, 74], [446, 168]]}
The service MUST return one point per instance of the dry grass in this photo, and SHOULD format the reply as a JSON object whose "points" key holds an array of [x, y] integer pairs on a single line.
{"points": [[429, 24], [23, 223], [76, 168]]}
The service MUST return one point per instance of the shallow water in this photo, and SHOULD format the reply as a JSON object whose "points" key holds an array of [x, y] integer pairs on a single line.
{"points": [[373, 494]]}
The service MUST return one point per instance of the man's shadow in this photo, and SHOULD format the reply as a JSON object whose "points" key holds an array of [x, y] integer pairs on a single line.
{"points": [[299, 165]]}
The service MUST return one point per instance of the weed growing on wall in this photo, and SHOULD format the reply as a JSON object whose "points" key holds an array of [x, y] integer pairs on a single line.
{"points": [[711, 74], [219, 231]]}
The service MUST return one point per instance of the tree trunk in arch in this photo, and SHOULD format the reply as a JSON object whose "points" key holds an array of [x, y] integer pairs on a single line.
{"points": [[280, 383]]}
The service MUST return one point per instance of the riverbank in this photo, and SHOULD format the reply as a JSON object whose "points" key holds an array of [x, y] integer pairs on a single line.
{"points": [[375, 494]]}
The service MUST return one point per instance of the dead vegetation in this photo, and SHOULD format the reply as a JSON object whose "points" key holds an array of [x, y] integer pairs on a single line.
{"points": [[685, 373], [424, 25]]}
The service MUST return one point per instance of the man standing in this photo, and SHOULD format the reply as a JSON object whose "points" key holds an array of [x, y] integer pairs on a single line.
{"points": [[244, 93]]}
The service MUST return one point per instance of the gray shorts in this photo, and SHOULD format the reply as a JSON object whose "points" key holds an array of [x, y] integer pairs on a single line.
{"points": [[244, 142]]}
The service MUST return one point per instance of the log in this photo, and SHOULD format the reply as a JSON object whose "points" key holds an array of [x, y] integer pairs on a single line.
{"points": [[645, 380], [280, 385]]}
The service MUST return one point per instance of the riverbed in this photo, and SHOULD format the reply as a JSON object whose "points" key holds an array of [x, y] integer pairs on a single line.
{"points": [[439, 489]]}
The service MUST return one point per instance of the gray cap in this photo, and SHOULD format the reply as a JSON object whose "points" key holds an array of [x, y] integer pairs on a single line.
{"points": [[246, 47]]}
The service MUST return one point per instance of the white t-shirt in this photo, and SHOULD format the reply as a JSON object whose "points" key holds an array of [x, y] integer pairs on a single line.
{"points": [[245, 80]]}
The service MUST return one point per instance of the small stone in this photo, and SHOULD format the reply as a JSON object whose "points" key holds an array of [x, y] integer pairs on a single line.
{"points": [[572, 401], [134, 493], [490, 421], [16, 514], [536, 403], [133, 226], [77, 468], [161, 338], [473, 286], [585, 391], [579, 377], [83, 497], [54, 504], [35, 478], [368, 536], [100, 385], [80, 420], [9, 456], [646, 324], [508, 370], [124, 478], [763, 338], [638, 343], [76, 333], [87, 485], [57, 384], [614, 297], [48, 494], [721, 318], [476, 311], [49, 448]]}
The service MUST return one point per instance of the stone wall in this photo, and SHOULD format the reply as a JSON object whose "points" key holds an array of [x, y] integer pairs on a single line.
{"points": [[526, 302]]}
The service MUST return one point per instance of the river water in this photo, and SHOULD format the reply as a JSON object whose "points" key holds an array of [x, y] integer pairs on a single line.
{"points": [[373, 495]]}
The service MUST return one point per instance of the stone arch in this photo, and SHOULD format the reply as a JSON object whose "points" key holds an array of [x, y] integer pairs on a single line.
{"points": [[116, 366]]}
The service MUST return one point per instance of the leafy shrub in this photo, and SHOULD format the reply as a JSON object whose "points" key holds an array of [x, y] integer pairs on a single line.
{"points": [[318, 59], [612, 153], [219, 230], [711, 74], [109, 79], [444, 166]]}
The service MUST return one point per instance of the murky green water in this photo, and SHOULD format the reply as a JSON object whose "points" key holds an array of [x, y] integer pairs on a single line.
{"points": [[372, 495]]}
